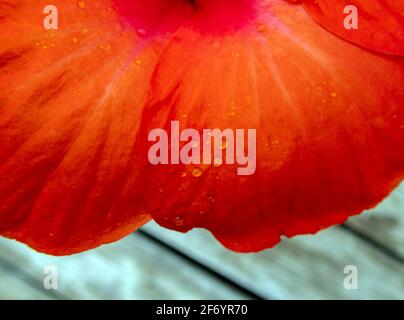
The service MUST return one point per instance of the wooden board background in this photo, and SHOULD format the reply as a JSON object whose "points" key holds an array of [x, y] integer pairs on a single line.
{"points": [[161, 264]]}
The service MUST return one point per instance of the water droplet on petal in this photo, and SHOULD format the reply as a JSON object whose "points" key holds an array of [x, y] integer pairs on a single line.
{"points": [[179, 221], [141, 32], [81, 4], [217, 162], [261, 28], [197, 172]]}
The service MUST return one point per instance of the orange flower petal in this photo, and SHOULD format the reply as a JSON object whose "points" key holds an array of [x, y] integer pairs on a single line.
{"points": [[71, 101], [329, 118], [380, 23]]}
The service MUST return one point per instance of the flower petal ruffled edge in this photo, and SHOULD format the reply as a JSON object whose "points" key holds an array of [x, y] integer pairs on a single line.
{"points": [[380, 23]]}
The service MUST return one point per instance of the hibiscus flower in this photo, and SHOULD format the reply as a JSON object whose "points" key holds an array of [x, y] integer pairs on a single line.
{"points": [[77, 105]]}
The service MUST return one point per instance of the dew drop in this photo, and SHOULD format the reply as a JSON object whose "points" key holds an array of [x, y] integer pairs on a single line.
{"points": [[179, 221], [197, 172], [217, 162], [261, 28], [141, 32]]}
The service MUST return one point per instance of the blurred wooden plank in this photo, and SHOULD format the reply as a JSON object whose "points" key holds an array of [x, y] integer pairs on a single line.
{"points": [[385, 223], [133, 268], [14, 288], [305, 267]]}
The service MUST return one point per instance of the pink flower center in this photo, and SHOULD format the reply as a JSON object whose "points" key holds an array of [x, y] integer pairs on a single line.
{"points": [[213, 16], [153, 17]]}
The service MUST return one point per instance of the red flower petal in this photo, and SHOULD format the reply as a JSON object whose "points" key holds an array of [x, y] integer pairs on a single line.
{"points": [[381, 22], [329, 118], [71, 101]]}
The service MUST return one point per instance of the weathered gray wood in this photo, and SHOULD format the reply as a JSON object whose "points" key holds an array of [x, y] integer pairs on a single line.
{"points": [[305, 267], [133, 268], [385, 223], [14, 288]]}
